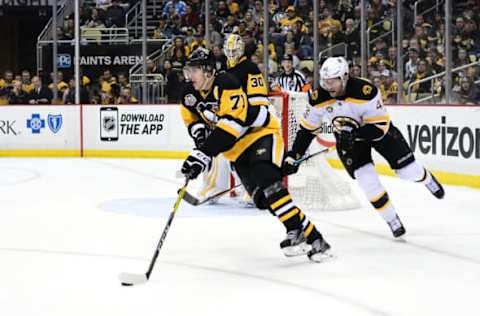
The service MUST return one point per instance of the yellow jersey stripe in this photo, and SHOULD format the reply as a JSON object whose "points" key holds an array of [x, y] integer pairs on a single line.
{"points": [[356, 101], [325, 103], [376, 119], [307, 125], [228, 129]]}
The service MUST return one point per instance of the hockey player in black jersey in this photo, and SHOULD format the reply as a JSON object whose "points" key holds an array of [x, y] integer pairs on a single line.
{"points": [[251, 141], [360, 122], [246, 72]]}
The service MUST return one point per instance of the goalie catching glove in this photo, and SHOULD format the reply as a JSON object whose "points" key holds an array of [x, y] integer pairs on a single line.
{"points": [[195, 164]]}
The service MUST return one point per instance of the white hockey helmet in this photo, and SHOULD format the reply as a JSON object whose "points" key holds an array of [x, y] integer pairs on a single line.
{"points": [[233, 48], [334, 67]]}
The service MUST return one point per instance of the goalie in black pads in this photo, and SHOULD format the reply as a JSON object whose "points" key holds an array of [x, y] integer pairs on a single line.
{"points": [[251, 141], [360, 122]]}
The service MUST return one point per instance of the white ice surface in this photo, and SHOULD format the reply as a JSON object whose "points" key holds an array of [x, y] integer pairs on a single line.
{"points": [[69, 227]]}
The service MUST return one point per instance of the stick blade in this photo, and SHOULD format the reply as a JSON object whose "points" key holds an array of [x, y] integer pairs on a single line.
{"points": [[190, 199], [130, 279]]}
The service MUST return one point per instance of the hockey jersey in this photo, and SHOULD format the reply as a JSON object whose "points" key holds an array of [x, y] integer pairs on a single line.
{"points": [[361, 105], [252, 81], [236, 124]]}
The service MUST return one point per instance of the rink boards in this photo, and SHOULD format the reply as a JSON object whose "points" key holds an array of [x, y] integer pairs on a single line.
{"points": [[445, 138]]}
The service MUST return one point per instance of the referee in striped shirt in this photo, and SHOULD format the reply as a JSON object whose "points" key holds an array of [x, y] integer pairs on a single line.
{"points": [[291, 79]]}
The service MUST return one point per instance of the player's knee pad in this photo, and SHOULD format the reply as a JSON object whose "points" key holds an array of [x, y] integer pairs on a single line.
{"points": [[413, 172], [369, 181]]}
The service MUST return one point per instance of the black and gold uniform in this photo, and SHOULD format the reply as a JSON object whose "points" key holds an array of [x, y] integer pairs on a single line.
{"points": [[252, 81], [251, 140]]}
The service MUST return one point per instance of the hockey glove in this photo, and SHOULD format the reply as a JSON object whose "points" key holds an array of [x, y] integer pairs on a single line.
{"points": [[195, 164], [199, 132], [346, 139], [289, 167]]}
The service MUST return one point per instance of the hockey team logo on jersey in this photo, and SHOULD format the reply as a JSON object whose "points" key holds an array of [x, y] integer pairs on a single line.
{"points": [[344, 123], [55, 122]]}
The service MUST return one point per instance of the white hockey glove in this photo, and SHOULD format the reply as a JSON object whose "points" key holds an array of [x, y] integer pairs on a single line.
{"points": [[199, 132], [195, 164]]}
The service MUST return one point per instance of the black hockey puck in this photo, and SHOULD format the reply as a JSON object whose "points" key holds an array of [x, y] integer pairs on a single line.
{"points": [[126, 284]]}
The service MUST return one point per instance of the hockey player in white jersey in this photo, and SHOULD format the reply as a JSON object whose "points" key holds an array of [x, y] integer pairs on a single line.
{"points": [[360, 122]]}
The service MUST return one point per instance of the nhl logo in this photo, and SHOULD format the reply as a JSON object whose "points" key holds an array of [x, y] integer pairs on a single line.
{"points": [[55, 122], [109, 123]]}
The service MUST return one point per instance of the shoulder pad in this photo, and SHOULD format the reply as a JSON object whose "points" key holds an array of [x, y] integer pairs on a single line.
{"points": [[361, 89], [318, 96], [227, 81]]}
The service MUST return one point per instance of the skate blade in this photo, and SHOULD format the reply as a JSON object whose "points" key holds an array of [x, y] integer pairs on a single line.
{"points": [[298, 250], [322, 257]]}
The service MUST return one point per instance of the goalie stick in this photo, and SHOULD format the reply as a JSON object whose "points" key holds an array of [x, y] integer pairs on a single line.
{"points": [[129, 279], [189, 198]]}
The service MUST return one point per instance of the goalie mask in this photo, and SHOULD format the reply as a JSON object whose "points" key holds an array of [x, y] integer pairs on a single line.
{"points": [[334, 75], [233, 48], [200, 68]]}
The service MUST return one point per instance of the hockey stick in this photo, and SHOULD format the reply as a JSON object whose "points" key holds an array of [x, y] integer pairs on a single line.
{"points": [[196, 202], [299, 161], [129, 279]]}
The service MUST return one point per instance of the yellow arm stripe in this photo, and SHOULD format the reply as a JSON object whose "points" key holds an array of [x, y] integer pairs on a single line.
{"points": [[356, 101], [280, 202], [325, 103], [307, 125], [377, 119], [228, 129], [289, 215]]}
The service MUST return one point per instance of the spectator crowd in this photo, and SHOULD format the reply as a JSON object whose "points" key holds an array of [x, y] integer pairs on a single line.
{"points": [[290, 50]]}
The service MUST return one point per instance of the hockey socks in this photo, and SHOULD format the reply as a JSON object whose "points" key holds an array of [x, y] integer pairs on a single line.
{"points": [[417, 173], [370, 184]]}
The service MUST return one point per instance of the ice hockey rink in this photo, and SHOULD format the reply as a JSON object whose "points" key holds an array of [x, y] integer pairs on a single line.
{"points": [[68, 227]]}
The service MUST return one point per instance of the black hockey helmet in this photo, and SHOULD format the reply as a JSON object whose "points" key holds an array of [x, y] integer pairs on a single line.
{"points": [[202, 57]]}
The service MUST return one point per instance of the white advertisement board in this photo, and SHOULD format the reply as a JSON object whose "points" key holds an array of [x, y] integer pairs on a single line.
{"points": [[134, 128], [54, 128], [445, 138]]}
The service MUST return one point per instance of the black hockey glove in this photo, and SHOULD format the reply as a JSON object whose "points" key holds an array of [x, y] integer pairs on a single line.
{"points": [[199, 132], [195, 164], [289, 167], [346, 139]]}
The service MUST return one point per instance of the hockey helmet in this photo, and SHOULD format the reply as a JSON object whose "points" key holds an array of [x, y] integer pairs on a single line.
{"points": [[334, 68], [234, 49], [200, 57]]}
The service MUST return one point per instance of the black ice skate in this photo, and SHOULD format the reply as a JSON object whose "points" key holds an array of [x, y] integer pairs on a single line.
{"points": [[397, 227], [320, 251], [435, 188], [294, 244]]}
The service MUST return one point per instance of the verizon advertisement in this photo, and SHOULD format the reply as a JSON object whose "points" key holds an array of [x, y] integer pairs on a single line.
{"points": [[445, 138], [134, 127], [40, 128]]}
